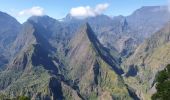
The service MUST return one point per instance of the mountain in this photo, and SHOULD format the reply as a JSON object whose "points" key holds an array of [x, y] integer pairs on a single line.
{"points": [[148, 20], [108, 30], [8, 32], [95, 58], [125, 33], [95, 70], [34, 72], [149, 58], [129, 32], [48, 66]]}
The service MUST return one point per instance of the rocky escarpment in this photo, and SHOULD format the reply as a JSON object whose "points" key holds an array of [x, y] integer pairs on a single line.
{"points": [[150, 57]]}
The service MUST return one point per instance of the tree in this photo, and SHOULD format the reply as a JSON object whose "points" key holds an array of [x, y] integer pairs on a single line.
{"points": [[163, 85]]}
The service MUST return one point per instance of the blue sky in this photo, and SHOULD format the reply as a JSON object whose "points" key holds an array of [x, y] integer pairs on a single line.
{"points": [[22, 9]]}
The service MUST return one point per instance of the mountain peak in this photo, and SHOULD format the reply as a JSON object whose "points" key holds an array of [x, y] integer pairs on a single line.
{"points": [[43, 20], [34, 18], [85, 33], [9, 30], [86, 41]]}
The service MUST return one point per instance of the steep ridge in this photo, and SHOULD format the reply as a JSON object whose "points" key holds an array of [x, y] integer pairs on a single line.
{"points": [[85, 38], [8, 32], [94, 70], [58, 34], [34, 72], [150, 57]]}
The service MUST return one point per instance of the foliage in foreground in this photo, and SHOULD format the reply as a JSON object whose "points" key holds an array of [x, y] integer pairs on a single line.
{"points": [[3, 97], [163, 85]]}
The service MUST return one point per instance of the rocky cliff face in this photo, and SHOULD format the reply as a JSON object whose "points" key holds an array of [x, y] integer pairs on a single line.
{"points": [[150, 57]]}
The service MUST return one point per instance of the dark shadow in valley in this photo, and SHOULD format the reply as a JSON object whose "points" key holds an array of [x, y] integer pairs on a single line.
{"points": [[56, 89], [103, 53], [132, 93], [132, 71], [40, 58]]}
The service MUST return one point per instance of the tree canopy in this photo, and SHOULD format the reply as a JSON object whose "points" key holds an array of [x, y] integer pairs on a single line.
{"points": [[163, 85]]}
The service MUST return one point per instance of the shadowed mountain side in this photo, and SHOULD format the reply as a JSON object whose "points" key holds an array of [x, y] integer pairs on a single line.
{"points": [[9, 30], [34, 72]]}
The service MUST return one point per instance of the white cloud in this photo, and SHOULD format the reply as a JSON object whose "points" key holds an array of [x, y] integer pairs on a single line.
{"points": [[100, 8], [169, 5], [34, 11], [87, 11]]}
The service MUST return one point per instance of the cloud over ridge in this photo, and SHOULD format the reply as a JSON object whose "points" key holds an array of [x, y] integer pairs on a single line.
{"points": [[34, 11], [87, 11]]}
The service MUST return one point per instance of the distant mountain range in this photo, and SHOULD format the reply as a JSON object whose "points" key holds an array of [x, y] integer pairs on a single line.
{"points": [[97, 58], [120, 31]]}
